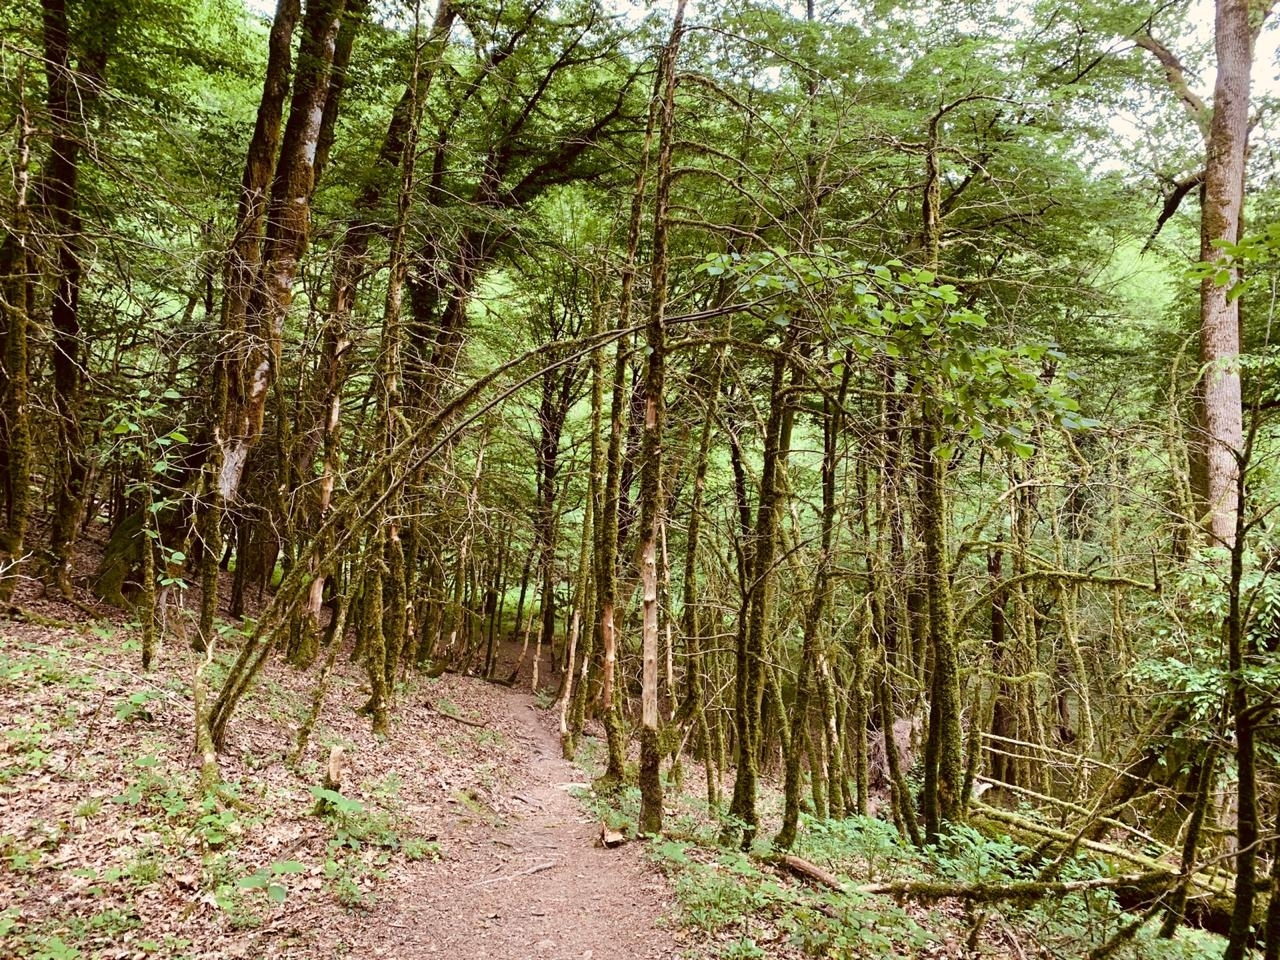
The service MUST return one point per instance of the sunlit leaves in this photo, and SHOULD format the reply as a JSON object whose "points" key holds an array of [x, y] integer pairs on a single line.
{"points": [[891, 313]]}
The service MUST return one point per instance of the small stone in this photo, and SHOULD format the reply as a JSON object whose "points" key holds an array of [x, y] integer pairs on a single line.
{"points": [[611, 838]]}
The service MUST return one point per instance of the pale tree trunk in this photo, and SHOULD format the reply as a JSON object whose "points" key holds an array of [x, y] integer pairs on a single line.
{"points": [[288, 229], [1223, 199], [243, 261], [651, 494], [260, 289], [608, 533], [258, 300]]}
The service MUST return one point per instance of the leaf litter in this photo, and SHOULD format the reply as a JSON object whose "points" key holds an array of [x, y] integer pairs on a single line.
{"points": [[456, 839]]}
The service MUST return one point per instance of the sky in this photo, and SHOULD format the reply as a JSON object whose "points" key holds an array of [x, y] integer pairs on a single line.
{"points": [[1196, 46]]}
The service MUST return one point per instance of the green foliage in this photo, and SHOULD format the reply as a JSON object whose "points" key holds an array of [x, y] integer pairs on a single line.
{"points": [[416, 848], [849, 927], [1186, 660], [332, 800], [134, 706], [747, 905], [861, 841], [743, 949], [729, 892], [967, 855], [267, 878], [892, 313], [26, 746]]}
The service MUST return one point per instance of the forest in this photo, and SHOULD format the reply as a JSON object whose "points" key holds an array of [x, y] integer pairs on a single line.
{"points": [[847, 434]]}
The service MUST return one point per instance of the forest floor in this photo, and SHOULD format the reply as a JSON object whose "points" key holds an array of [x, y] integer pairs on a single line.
{"points": [[461, 834]]}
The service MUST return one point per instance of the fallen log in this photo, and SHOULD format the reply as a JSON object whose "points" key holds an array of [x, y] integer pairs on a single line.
{"points": [[1018, 890], [809, 871], [1211, 904]]}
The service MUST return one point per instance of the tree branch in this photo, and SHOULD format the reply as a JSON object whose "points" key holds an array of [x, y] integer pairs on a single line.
{"points": [[1176, 74], [1171, 203]]}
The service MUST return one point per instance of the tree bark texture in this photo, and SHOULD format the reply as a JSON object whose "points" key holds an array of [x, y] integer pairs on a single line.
{"points": [[1223, 200]]}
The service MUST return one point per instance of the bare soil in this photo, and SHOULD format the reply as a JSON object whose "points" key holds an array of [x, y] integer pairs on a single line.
{"points": [[536, 884], [470, 840]]}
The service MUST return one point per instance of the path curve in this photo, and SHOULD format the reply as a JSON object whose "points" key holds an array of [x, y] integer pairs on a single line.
{"points": [[536, 886]]}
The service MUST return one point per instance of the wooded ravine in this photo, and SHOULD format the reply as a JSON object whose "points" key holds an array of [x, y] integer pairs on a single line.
{"points": [[564, 478]]}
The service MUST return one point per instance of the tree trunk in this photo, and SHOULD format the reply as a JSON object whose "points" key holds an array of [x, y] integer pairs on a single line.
{"points": [[288, 227], [1241, 655], [651, 492], [17, 297], [819, 596], [943, 759], [758, 602], [1220, 217], [243, 262], [71, 93]]}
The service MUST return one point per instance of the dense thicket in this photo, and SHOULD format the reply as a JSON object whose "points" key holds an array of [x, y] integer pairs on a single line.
{"points": [[817, 385]]}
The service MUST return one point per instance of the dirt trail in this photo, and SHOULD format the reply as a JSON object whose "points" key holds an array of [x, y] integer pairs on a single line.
{"points": [[529, 884], [95, 783]]}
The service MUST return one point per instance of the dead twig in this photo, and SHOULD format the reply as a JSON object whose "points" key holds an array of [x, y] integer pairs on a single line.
{"points": [[431, 708], [536, 868]]}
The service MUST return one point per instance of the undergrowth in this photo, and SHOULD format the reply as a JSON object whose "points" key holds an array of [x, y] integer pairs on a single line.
{"points": [[134, 821], [744, 905]]}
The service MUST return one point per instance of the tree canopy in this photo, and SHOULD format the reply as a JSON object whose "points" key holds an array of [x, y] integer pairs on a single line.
{"points": [[796, 375]]}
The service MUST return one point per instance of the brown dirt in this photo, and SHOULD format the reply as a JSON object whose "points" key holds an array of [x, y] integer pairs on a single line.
{"points": [[102, 845], [536, 886]]}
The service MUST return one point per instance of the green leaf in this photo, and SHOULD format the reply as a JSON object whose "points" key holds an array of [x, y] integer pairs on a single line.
{"points": [[337, 800]]}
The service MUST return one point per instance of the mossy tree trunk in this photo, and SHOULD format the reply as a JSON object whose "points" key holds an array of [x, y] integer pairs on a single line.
{"points": [[943, 756], [372, 631], [943, 798], [760, 549], [651, 483], [693, 705], [607, 572], [819, 597], [1242, 655], [16, 300], [74, 88]]}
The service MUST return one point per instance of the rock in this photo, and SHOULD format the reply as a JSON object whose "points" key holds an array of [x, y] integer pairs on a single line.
{"points": [[610, 838]]}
